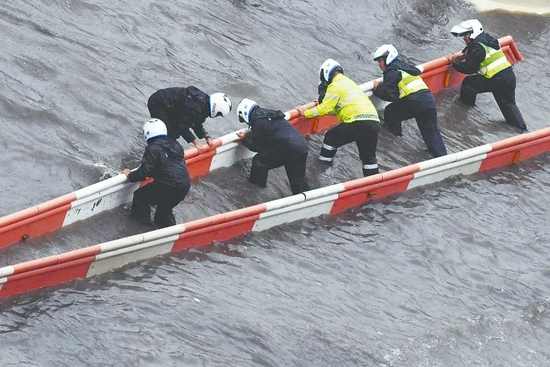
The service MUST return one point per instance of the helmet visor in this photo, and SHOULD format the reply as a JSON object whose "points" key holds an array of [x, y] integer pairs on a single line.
{"points": [[459, 31]]}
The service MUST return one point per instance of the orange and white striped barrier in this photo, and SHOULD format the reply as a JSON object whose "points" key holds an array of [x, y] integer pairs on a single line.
{"points": [[227, 150], [104, 257]]}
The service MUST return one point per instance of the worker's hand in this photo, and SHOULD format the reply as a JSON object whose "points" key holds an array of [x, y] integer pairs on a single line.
{"points": [[198, 146], [240, 135], [210, 142], [126, 171], [375, 84], [450, 58], [300, 109]]}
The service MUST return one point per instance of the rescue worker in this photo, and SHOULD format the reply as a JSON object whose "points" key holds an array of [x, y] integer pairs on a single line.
{"points": [[183, 109], [359, 121], [163, 161], [277, 142], [409, 97], [493, 72]]}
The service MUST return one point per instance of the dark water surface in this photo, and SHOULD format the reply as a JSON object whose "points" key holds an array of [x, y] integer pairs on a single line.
{"points": [[452, 274]]}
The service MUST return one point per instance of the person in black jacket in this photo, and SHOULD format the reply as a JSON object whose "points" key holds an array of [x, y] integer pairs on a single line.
{"points": [[493, 72], [163, 161], [277, 142], [183, 109], [409, 97]]}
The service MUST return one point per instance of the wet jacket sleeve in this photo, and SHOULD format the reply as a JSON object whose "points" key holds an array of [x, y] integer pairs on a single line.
{"points": [[146, 168], [388, 89], [248, 142], [194, 114], [328, 105], [256, 140], [186, 134], [199, 130], [474, 56], [188, 124]]}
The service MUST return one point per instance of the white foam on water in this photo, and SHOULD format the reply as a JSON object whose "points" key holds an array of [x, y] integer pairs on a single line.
{"points": [[540, 7]]}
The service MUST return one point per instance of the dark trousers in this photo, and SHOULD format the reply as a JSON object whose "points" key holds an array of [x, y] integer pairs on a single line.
{"points": [[503, 87], [164, 196], [364, 133], [426, 119], [294, 162], [157, 110]]}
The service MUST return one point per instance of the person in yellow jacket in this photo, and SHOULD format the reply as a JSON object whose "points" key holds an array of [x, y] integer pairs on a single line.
{"points": [[359, 121]]}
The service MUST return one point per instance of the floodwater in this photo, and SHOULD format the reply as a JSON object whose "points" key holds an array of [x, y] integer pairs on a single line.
{"points": [[452, 274], [532, 6]]}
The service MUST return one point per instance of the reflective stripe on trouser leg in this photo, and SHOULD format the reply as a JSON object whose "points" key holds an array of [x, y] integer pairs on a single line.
{"points": [[367, 142], [327, 153], [370, 169]]}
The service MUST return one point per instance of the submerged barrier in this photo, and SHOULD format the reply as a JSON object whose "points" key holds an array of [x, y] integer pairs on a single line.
{"points": [[226, 151], [330, 200]]}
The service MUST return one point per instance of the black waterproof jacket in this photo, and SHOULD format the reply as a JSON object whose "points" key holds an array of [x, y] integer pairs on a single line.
{"points": [[270, 129], [163, 160], [389, 91], [186, 108], [475, 54]]}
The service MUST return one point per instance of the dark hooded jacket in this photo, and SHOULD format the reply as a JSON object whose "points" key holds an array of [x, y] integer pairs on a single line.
{"points": [[186, 108], [269, 129], [163, 160], [389, 91], [475, 54]]}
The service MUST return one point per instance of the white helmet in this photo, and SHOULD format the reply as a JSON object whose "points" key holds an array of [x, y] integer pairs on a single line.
{"points": [[244, 109], [388, 51], [220, 105], [154, 128], [327, 68], [472, 25]]}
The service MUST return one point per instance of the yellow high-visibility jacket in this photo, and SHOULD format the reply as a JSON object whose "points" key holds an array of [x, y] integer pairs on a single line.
{"points": [[495, 61], [346, 100]]}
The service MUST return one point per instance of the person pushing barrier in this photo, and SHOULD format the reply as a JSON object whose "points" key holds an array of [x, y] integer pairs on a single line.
{"points": [[493, 72], [410, 98], [183, 109], [359, 121], [277, 142], [163, 161]]}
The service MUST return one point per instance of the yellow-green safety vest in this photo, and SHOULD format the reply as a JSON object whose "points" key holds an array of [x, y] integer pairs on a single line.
{"points": [[410, 84], [495, 61], [347, 100]]}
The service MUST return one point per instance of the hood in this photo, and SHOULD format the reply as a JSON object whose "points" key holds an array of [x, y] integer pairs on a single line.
{"points": [[165, 142], [408, 68], [488, 41], [264, 113]]}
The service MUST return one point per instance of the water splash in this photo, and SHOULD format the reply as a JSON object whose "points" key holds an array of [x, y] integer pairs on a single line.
{"points": [[106, 171]]}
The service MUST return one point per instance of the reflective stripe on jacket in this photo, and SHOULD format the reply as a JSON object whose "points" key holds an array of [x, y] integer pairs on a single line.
{"points": [[347, 100], [410, 84], [495, 61]]}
